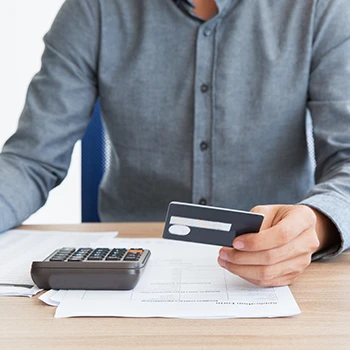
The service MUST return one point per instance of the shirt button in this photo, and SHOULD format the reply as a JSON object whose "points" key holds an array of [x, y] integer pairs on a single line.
{"points": [[204, 146], [207, 32], [204, 87], [203, 201]]}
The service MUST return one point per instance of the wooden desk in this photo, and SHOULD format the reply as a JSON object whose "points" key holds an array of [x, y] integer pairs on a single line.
{"points": [[322, 292]]}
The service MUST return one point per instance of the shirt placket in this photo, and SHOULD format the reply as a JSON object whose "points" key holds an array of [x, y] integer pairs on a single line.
{"points": [[203, 113]]}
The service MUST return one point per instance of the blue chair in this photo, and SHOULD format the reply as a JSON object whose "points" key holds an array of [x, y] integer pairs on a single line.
{"points": [[94, 160]]}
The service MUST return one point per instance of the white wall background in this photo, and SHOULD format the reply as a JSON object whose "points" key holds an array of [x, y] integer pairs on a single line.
{"points": [[23, 23]]}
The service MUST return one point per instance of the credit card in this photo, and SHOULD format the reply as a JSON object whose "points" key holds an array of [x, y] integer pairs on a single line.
{"points": [[208, 225]]}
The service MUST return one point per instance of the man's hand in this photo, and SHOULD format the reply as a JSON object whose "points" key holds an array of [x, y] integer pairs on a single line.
{"points": [[280, 252]]}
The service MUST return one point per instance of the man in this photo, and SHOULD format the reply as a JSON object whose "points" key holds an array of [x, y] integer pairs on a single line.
{"points": [[205, 102]]}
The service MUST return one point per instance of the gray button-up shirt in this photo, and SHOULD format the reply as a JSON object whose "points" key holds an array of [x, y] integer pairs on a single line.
{"points": [[211, 112]]}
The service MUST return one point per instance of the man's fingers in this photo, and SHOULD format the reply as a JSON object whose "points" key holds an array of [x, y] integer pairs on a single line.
{"points": [[294, 222], [304, 243], [277, 282], [265, 274]]}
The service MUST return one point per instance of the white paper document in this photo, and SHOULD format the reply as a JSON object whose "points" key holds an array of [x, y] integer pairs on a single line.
{"points": [[181, 280], [18, 248], [53, 297]]}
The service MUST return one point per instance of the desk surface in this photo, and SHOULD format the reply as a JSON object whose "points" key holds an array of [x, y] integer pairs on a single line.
{"points": [[322, 292]]}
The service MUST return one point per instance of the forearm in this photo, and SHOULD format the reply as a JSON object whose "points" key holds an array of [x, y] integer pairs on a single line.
{"points": [[24, 188]]}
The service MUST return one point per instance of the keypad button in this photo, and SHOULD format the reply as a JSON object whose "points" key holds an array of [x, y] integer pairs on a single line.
{"points": [[58, 257], [133, 254], [62, 254], [80, 254], [131, 257], [98, 254], [116, 254]]}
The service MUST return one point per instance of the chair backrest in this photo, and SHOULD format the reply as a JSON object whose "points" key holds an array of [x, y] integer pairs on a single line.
{"points": [[94, 160]]}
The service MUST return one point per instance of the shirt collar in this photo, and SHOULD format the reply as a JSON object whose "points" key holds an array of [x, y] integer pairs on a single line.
{"points": [[184, 2]]}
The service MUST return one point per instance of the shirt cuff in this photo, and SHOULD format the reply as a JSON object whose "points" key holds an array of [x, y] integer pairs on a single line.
{"points": [[337, 210]]}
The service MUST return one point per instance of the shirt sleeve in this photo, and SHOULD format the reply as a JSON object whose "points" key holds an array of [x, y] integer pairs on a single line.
{"points": [[329, 105], [57, 110]]}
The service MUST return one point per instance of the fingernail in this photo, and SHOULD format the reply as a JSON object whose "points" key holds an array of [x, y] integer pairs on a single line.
{"points": [[238, 244]]}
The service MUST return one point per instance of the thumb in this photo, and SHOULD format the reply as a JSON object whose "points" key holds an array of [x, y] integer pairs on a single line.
{"points": [[269, 214]]}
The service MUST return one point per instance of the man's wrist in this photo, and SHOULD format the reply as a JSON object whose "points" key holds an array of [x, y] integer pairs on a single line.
{"points": [[326, 231]]}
